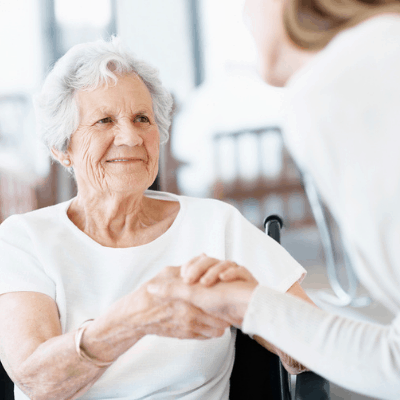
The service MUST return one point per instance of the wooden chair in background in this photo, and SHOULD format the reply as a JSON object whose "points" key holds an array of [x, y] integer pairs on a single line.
{"points": [[255, 173]]}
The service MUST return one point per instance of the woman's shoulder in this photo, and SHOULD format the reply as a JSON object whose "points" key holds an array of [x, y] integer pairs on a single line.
{"points": [[199, 203], [34, 220], [198, 210], [209, 205]]}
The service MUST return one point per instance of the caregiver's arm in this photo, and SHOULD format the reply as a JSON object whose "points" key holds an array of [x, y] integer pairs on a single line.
{"points": [[360, 356], [291, 364], [43, 362]]}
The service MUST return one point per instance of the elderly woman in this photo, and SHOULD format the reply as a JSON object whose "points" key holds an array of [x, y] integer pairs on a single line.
{"points": [[340, 61], [77, 320]]}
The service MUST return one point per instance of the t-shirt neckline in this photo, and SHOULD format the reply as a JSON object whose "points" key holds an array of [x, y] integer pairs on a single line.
{"points": [[148, 193]]}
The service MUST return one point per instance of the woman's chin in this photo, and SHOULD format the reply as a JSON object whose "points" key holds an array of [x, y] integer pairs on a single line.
{"points": [[127, 183], [129, 177]]}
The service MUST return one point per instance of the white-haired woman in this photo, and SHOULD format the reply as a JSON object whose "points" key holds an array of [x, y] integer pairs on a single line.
{"points": [[341, 63], [76, 318]]}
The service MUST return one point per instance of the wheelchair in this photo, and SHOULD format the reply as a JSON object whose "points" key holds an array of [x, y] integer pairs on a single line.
{"points": [[258, 374]]}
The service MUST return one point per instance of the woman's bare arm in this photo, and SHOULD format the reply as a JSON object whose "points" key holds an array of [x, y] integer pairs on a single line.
{"points": [[43, 362], [33, 350]]}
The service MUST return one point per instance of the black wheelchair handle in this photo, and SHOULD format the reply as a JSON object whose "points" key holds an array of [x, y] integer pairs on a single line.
{"points": [[273, 225]]}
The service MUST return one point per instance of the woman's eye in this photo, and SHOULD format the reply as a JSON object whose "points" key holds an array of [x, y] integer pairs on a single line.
{"points": [[105, 120], [142, 118]]}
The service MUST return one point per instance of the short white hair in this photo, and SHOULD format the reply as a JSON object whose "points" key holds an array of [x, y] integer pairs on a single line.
{"points": [[88, 66]]}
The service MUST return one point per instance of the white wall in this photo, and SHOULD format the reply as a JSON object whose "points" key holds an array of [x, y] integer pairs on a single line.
{"points": [[21, 72], [227, 42], [20, 45], [159, 32]]}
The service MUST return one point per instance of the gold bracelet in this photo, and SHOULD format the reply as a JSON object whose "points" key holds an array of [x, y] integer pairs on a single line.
{"points": [[82, 355]]}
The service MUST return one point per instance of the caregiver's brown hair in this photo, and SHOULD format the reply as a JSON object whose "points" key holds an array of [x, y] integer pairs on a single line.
{"points": [[311, 24]]}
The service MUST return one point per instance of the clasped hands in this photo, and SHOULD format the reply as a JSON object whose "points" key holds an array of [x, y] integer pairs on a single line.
{"points": [[222, 289]]}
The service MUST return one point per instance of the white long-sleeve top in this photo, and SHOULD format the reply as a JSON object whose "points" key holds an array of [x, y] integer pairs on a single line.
{"points": [[343, 128]]}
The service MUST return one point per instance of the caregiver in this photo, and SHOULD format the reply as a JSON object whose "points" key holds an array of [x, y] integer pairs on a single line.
{"points": [[340, 62]]}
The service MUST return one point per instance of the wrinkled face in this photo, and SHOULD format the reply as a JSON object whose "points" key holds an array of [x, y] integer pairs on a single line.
{"points": [[116, 146], [264, 19]]}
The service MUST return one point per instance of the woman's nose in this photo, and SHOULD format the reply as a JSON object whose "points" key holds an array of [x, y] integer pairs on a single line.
{"points": [[128, 135]]}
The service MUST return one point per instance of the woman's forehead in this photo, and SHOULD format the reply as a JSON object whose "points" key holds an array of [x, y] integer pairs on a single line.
{"points": [[128, 94]]}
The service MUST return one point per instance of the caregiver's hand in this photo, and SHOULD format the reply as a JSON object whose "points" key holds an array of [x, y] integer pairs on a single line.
{"points": [[209, 271], [227, 301]]}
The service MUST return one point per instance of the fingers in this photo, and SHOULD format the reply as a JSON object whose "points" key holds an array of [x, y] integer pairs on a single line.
{"points": [[226, 301], [169, 307], [206, 269], [193, 270], [202, 332], [236, 273], [192, 328], [185, 268], [205, 331], [212, 276], [185, 321], [215, 323], [200, 323]]}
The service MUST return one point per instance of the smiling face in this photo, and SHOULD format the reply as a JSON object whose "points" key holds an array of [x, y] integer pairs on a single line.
{"points": [[116, 146]]}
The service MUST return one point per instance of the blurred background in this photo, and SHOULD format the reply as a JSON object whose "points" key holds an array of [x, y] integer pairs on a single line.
{"points": [[225, 137]]}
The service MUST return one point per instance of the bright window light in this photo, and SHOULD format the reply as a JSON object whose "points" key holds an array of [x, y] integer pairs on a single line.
{"points": [[83, 12]]}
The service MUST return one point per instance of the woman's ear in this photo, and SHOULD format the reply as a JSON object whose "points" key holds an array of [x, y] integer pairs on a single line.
{"points": [[63, 158]]}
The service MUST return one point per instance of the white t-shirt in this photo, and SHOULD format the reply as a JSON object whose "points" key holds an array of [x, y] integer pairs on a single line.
{"points": [[343, 128], [43, 251]]}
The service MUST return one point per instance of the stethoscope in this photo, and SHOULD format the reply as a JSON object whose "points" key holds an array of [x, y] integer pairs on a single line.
{"points": [[341, 296]]}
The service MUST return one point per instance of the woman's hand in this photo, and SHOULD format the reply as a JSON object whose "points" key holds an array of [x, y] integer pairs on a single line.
{"points": [[142, 313], [172, 317], [227, 301], [209, 271]]}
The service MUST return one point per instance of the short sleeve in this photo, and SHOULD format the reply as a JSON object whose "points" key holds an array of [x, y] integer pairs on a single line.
{"points": [[20, 268], [267, 260]]}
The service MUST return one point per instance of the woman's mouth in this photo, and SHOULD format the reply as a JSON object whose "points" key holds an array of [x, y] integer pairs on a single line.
{"points": [[123, 160]]}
